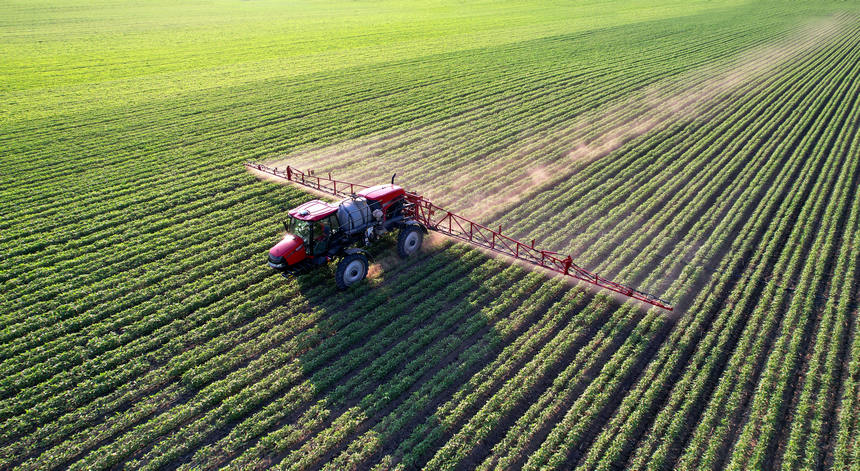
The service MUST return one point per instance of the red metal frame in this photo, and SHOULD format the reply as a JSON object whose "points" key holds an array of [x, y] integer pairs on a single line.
{"points": [[308, 179], [458, 227]]}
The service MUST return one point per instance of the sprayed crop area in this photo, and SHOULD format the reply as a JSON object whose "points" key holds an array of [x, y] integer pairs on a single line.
{"points": [[708, 153]]}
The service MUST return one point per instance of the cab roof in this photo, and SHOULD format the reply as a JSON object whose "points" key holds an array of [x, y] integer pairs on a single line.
{"points": [[313, 210]]}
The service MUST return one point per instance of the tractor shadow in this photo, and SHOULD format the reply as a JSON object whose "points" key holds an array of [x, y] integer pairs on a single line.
{"points": [[388, 359]]}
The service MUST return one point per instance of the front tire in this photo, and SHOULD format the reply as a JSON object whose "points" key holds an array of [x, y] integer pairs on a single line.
{"points": [[409, 241], [350, 270]]}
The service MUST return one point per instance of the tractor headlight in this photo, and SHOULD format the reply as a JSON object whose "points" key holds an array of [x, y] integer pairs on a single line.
{"points": [[276, 262]]}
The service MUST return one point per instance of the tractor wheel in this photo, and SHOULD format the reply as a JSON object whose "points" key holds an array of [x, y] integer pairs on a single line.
{"points": [[350, 270], [409, 241]]}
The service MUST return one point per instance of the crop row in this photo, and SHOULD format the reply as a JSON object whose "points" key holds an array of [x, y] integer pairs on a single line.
{"points": [[668, 371], [668, 229], [143, 330], [219, 352]]}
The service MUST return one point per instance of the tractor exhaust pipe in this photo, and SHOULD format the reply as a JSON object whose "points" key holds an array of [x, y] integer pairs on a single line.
{"points": [[392, 178]]}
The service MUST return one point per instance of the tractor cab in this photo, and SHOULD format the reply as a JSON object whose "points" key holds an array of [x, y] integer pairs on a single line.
{"points": [[309, 228], [314, 222]]}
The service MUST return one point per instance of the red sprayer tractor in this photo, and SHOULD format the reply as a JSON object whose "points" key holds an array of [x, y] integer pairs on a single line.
{"points": [[318, 232]]}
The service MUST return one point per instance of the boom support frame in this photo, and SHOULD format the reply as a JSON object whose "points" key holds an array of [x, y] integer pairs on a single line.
{"points": [[458, 227]]}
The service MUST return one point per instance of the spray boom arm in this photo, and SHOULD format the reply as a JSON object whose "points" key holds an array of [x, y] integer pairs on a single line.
{"points": [[445, 222]]}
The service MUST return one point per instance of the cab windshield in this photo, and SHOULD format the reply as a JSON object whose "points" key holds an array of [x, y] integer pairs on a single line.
{"points": [[300, 228]]}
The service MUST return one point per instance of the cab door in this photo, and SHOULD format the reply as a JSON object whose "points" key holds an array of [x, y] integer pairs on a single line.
{"points": [[322, 231]]}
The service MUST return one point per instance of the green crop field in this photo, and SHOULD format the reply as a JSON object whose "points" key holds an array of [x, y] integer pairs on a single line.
{"points": [[704, 151]]}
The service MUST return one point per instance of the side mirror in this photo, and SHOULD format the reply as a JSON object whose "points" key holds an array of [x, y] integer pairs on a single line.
{"points": [[286, 228]]}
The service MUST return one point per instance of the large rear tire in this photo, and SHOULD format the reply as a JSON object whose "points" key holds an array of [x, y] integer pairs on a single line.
{"points": [[409, 240], [350, 270]]}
